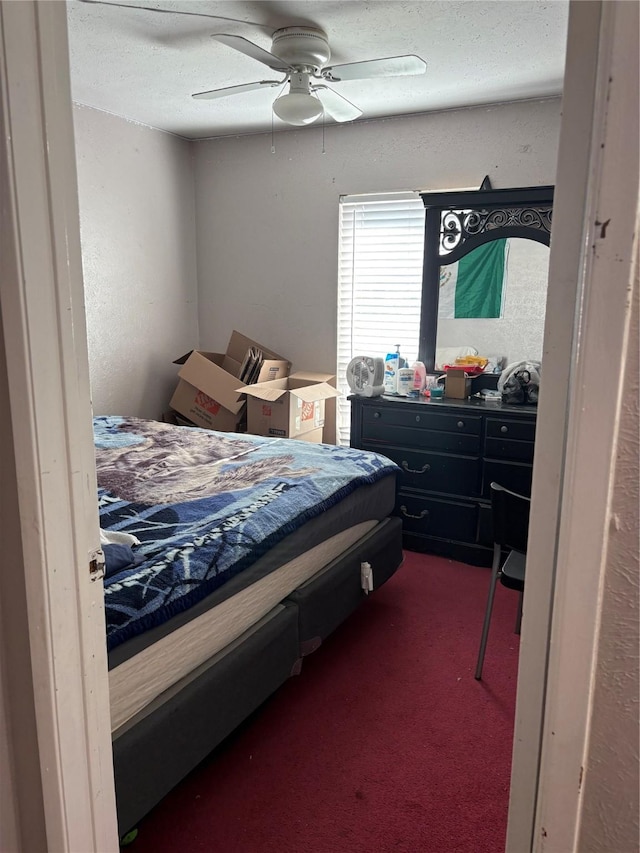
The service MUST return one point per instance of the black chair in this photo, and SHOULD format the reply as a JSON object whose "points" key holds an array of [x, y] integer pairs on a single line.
{"points": [[510, 517]]}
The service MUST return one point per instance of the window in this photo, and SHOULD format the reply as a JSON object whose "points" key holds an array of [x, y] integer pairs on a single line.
{"points": [[379, 282]]}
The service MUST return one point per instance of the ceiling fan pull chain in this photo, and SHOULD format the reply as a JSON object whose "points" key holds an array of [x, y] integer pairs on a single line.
{"points": [[273, 139]]}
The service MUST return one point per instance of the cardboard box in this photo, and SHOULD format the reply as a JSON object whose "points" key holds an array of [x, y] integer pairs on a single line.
{"points": [[457, 384], [290, 408], [316, 436], [209, 392]]}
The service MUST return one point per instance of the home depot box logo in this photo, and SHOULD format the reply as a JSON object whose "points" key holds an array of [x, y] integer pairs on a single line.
{"points": [[309, 411], [207, 403]]}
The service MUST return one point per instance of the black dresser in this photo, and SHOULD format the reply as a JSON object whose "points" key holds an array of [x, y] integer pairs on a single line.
{"points": [[449, 452]]}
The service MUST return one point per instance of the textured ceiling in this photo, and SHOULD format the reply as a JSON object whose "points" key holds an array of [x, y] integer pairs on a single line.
{"points": [[144, 65]]}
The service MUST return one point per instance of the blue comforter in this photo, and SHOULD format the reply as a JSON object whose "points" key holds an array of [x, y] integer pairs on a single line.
{"points": [[205, 505]]}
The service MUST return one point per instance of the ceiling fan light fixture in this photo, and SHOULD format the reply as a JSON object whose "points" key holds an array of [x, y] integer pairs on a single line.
{"points": [[301, 53], [297, 108]]}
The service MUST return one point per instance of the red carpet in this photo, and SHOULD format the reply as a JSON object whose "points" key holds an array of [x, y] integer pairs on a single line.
{"points": [[384, 743]]}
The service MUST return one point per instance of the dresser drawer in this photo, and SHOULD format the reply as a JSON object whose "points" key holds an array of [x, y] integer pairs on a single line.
{"points": [[426, 439], [507, 428], [422, 417], [432, 517], [512, 475], [505, 448], [435, 472]]}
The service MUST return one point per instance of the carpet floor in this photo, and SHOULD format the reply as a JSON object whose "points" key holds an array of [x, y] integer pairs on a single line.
{"points": [[385, 742]]}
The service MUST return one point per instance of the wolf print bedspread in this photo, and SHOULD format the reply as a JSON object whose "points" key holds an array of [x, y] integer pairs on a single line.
{"points": [[205, 505]]}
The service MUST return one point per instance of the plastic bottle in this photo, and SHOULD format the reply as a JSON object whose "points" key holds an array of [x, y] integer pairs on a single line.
{"points": [[405, 381], [391, 365], [419, 376]]}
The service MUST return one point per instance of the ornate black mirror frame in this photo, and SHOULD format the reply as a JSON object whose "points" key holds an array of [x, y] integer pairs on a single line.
{"points": [[457, 222]]}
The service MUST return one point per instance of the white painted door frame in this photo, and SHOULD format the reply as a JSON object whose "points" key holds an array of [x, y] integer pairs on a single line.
{"points": [[45, 354], [602, 318], [588, 312], [41, 302]]}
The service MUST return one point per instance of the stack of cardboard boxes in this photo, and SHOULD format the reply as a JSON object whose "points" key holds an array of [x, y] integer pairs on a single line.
{"points": [[249, 388]]}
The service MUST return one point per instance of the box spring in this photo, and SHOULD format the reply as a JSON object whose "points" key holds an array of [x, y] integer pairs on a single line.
{"points": [[326, 599], [156, 749], [151, 756]]}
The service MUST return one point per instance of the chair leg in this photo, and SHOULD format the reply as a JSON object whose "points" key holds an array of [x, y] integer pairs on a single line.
{"points": [[495, 571], [519, 614]]}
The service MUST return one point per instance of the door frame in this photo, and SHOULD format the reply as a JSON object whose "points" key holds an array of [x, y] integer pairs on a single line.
{"points": [[57, 545], [585, 347], [41, 302]]}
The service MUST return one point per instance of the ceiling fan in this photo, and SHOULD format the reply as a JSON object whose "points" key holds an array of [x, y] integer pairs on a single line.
{"points": [[301, 54]]}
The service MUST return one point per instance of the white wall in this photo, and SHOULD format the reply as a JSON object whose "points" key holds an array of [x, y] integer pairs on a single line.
{"points": [[267, 224], [610, 818], [137, 228]]}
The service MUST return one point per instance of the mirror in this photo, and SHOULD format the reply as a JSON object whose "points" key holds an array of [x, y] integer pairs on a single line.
{"points": [[459, 223], [493, 300]]}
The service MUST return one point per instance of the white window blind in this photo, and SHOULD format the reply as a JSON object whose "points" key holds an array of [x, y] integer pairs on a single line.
{"points": [[379, 283]]}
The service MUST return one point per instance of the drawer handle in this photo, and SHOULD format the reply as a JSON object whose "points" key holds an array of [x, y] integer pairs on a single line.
{"points": [[376, 414], [406, 513], [422, 470], [418, 418], [460, 424], [504, 429]]}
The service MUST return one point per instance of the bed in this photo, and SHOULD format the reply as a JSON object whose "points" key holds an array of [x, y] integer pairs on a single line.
{"points": [[250, 552]]}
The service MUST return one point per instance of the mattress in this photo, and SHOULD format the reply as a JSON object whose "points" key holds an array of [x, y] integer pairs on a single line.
{"points": [[243, 518], [369, 503], [207, 507], [141, 679]]}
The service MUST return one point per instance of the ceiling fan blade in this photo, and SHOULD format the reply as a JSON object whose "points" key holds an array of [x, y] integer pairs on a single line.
{"points": [[236, 90], [250, 49], [392, 66], [335, 105]]}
